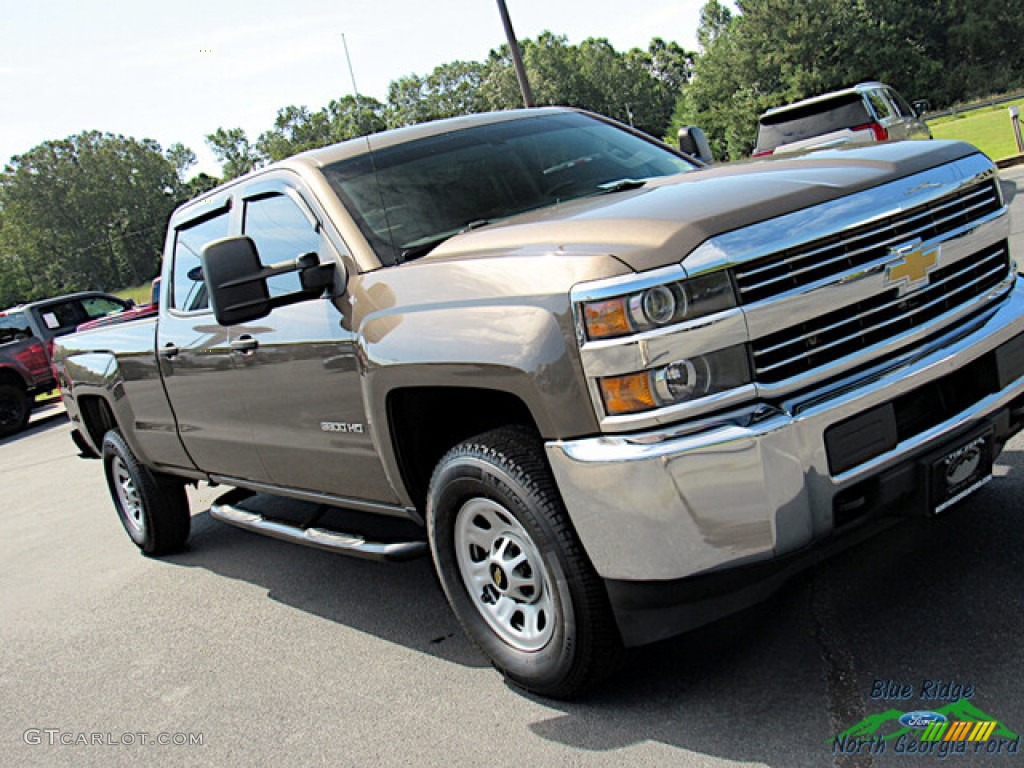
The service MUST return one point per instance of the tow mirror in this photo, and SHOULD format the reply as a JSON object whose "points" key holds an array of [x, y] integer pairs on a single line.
{"points": [[237, 281], [693, 142]]}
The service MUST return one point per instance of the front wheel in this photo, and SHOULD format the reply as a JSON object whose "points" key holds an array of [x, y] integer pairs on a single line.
{"points": [[513, 568], [153, 508]]}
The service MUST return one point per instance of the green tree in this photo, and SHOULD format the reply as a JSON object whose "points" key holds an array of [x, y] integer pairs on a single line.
{"points": [[297, 129], [450, 90], [84, 212], [182, 158], [236, 154], [637, 87]]}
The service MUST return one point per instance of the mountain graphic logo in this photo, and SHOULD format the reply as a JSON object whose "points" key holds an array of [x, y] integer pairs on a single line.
{"points": [[886, 725]]}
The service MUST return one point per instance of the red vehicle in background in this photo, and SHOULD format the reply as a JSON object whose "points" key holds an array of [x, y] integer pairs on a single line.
{"points": [[26, 342]]}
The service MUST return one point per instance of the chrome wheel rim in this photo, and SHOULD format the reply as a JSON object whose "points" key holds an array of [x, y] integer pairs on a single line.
{"points": [[504, 574], [128, 496]]}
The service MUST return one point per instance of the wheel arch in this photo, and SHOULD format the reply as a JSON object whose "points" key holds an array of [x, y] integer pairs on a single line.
{"points": [[96, 418], [10, 377], [425, 422]]}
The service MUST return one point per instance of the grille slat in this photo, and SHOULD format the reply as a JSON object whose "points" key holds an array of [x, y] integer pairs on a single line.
{"points": [[798, 267], [983, 196], [996, 272], [874, 249], [829, 337]]}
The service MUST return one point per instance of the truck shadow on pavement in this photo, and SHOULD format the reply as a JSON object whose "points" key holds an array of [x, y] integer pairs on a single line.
{"points": [[399, 602], [936, 599]]}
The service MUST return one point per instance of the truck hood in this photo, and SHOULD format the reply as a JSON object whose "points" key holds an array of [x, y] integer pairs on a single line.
{"points": [[664, 221]]}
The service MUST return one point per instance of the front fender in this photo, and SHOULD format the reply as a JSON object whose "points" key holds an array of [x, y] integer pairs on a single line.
{"points": [[520, 350]]}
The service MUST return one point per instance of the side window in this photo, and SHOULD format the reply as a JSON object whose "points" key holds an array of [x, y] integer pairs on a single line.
{"points": [[14, 327], [188, 292], [904, 109], [281, 232], [63, 317], [101, 307], [879, 104]]}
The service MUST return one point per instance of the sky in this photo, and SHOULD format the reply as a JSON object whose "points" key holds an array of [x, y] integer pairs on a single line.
{"points": [[175, 72]]}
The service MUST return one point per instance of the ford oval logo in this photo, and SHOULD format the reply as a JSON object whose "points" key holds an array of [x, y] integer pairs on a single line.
{"points": [[963, 463], [921, 719]]}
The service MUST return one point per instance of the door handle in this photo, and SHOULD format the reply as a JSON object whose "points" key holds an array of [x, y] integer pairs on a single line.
{"points": [[244, 343], [169, 350]]}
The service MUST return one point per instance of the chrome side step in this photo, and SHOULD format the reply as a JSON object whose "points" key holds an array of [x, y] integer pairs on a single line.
{"points": [[355, 545]]}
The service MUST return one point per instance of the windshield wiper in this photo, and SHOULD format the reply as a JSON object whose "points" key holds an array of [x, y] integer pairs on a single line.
{"points": [[620, 185], [424, 246]]}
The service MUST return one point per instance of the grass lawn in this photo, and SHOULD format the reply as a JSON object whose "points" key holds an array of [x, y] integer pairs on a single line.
{"points": [[987, 128], [140, 293]]}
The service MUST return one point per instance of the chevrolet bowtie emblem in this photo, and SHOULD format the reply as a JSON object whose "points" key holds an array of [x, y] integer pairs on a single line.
{"points": [[910, 271]]}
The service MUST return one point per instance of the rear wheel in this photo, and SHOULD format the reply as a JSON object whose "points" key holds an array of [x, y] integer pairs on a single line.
{"points": [[153, 508], [15, 409], [513, 569]]}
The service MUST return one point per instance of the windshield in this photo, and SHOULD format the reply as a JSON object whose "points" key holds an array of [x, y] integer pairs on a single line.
{"points": [[410, 197]]}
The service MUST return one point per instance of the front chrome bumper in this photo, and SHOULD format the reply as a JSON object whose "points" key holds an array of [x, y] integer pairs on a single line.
{"points": [[752, 486]]}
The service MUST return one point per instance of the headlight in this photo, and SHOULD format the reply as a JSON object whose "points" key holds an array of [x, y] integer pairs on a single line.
{"points": [[677, 382], [658, 306]]}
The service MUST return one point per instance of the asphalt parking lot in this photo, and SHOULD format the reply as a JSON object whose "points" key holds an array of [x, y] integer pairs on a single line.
{"points": [[248, 651]]}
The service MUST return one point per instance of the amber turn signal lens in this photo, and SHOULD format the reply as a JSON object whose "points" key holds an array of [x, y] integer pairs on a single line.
{"points": [[605, 319], [627, 394]]}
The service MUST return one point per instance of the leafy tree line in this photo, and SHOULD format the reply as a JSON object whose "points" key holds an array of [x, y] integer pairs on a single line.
{"points": [[772, 52]]}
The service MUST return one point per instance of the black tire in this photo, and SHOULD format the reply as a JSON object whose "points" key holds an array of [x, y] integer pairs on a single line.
{"points": [[15, 409], [532, 601], [153, 507]]}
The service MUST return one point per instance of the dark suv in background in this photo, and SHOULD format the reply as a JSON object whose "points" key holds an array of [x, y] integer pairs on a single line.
{"points": [[864, 113], [26, 343]]}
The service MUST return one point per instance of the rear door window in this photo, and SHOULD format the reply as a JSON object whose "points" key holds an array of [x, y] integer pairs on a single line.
{"points": [[901, 105], [880, 105], [101, 306], [14, 327], [63, 317]]}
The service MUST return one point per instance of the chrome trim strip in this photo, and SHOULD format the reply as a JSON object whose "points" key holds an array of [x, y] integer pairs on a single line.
{"points": [[880, 308], [909, 237], [890, 321], [673, 413], [608, 288], [785, 310], [629, 354], [879, 351], [988, 192]]}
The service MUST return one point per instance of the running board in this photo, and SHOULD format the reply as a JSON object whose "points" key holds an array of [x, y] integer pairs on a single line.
{"points": [[333, 541]]}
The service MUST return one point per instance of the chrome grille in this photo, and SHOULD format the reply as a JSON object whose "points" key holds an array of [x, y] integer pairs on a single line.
{"points": [[832, 336], [806, 264]]}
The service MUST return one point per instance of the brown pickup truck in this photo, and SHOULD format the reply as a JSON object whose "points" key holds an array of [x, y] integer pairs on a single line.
{"points": [[614, 394]]}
